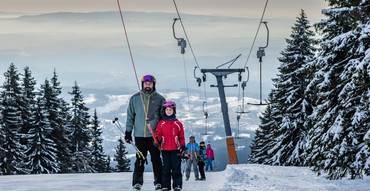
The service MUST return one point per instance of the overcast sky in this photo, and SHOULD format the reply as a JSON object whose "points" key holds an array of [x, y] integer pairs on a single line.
{"points": [[243, 8], [94, 51]]}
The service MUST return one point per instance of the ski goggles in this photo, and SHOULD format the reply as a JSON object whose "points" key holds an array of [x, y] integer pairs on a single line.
{"points": [[148, 78], [170, 104]]}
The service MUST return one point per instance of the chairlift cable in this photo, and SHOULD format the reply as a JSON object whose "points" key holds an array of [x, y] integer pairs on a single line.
{"points": [[128, 44], [193, 54], [255, 37], [205, 105], [239, 97], [187, 91], [134, 68]]}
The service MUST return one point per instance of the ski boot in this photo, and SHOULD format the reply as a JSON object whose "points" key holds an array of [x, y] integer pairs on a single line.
{"points": [[177, 188], [165, 189], [136, 187], [158, 187]]}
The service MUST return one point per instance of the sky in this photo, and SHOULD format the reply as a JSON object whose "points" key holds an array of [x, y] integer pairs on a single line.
{"points": [[91, 48], [234, 178], [242, 8]]}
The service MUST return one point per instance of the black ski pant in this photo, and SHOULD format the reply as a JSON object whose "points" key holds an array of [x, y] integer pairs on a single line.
{"points": [[201, 169], [171, 168], [145, 144]]}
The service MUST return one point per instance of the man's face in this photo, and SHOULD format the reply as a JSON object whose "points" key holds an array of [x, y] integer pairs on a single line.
{"points": [[148, 87]]}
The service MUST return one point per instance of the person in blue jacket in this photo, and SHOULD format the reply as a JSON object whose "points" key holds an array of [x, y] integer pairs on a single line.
{"points": [[193, 153]]}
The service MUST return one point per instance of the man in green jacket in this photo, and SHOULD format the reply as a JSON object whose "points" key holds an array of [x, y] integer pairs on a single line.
{"points": [[143, 112]]}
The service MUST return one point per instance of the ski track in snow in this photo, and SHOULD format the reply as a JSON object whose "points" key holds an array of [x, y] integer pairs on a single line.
{"points": [[242, 177]]}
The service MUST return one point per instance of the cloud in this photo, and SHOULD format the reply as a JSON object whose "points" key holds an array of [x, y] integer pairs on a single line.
{"points": [[90, 99], [114, 102]]}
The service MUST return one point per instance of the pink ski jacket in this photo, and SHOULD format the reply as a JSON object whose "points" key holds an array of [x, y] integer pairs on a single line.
{"points": [[209, 152]]}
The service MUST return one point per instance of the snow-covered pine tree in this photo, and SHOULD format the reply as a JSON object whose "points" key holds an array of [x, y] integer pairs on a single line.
{"points": [[41, 151], [123, 163], [28, 85], [81, 133], [99, 159], [338, 137], [262, 141], [288, 135], [108, 168], [59, 118], [12, 156], [2, 135]]}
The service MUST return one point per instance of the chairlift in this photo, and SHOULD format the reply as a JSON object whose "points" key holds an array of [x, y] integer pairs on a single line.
{"points": [[242, 110], [260, 54], [206, 118], [180, 41], [197, 79], [237, 134]]}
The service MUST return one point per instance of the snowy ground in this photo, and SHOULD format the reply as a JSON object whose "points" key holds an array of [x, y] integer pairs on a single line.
{"points": [[234, 178]]}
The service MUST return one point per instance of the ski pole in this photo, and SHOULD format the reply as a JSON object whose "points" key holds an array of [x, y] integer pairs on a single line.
{"points": [[183, 169], [154, 138], [119, 127], [184, 160], [140, 154]]}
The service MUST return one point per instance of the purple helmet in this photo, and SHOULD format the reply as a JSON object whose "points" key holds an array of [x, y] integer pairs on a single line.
{"points": [[170, 104], [148, 78]]}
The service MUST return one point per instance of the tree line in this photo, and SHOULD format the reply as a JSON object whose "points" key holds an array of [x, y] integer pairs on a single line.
{"points": [[318, 111], [41, 133]]}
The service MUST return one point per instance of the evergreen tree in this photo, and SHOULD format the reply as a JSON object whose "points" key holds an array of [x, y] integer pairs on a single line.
{"points": [[29, 103], [290, 137], [41, 152], [12, 157], [98, 162], [287, 113], [340, 133], [262, 142], [108, 168], [81, 133], [2, 134], [123, 163], [59, 118]]}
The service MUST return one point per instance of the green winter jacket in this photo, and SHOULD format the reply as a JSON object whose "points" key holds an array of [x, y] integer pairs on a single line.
{"points": [[136, 113]]}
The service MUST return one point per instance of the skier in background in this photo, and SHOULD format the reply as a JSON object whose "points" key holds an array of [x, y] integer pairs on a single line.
{"points": [[193, 152], [210, 157], [202, 160]]}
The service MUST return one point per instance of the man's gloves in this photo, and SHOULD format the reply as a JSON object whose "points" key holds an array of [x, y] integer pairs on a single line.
{"points": [[158, 144], [128, 137], [182, 149], [182, 154]]}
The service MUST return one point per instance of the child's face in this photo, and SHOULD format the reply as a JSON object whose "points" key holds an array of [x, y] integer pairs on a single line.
{"points": [[168, 111]]}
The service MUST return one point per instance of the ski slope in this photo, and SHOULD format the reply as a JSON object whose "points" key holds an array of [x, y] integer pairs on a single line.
{"points": [[233, 178]]}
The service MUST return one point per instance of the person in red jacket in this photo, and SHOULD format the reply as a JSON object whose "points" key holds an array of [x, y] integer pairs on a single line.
{"points": [[171, 139], [210, 157]]}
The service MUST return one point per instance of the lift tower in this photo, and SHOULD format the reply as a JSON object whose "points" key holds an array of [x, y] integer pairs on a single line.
{"points": [[219, 74]]}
